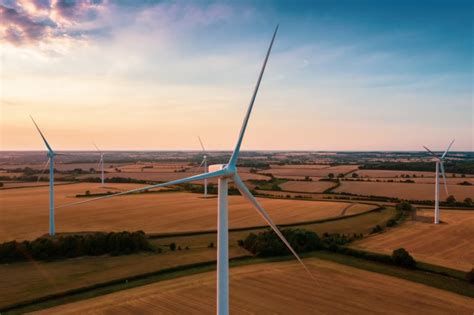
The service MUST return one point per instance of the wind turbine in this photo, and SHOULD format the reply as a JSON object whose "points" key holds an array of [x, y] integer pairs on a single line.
{"points": [[439, 164], [204, 162], [51, 155], [101, 164], [224, 173]]}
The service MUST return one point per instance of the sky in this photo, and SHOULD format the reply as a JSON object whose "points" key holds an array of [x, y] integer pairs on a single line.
{"points": [[155, 75]]}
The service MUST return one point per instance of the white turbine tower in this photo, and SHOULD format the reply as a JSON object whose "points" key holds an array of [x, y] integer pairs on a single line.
{"points": [[439, 164], [101, 164], [51, 156], [224, 173], [204, 163]]}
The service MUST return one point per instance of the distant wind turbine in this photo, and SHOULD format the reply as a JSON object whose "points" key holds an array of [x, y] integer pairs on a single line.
{"points": [[51, 156], [204, 162], [439, 164], [101, 164], [225, 172]]}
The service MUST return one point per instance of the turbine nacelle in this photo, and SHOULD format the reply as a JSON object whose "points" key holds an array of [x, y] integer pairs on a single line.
{"points": [[229, 170]]}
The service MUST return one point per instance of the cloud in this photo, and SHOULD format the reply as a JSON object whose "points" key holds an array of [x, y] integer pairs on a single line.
{"points": [[42, 21]]}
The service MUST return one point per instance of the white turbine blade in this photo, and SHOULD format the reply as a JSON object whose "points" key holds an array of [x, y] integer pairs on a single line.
{"points": [[446, 152], [101, 161], [96, 147], [235, 154], [43, 169], [441, 164], [173, 182], [202, 145], [42, 136], [431, 152], [250, 198], [203, 160]]}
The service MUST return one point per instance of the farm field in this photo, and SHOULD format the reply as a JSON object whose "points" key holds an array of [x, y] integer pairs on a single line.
{"points": [[280, 288], [38, 279], [309, 171], [306, 186], [403, 190], [448, 244], [25, 211]]}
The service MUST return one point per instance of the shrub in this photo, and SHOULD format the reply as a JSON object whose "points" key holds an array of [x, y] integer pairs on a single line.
{"points": [[376, 229], [405, 206], [46, 248], [402, 258], [211, 245], [267, 243], [470, 276], [451, 200]]}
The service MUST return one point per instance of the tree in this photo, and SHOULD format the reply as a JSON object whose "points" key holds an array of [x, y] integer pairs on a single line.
{"points": [[468, 202], [470, 276], [88, 192], [173, 246], [355, 175], [405, 207], [331, 175], [1, 184], [402, 258], [451, 200]]}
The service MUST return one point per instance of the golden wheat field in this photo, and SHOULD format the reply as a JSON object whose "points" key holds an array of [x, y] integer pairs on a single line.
{"points": [[306, 186], [280, 288], [25, 211], [403, 190], [448, 244]]}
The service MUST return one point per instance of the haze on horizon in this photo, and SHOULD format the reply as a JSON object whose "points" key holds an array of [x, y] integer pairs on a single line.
{"points": [[151, 75]]}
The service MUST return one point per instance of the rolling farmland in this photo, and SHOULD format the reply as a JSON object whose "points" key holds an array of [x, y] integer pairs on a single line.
{"points": [[152, 213], [448, 244], [280, 288]]}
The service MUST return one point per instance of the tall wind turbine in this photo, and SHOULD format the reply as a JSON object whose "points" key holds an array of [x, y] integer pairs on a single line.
{"points": [[51, 155], [439, 164], [204, 162], [224, 173], [101, 164]]}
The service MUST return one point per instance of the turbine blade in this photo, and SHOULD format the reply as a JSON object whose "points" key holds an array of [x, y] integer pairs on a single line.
{"points": [[173, 182], [446, 152], [235, 154], [250, 198], [441, 164], [203, 160], [202, 145], [43, 169], [42, 136], [431, 152], [96, 147]]}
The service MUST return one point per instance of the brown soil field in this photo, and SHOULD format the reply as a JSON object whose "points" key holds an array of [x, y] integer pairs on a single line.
{"points": [[304, 166], [393, 174], [312, 172], [280, 288], [448, 244], [312, 186], [7, 185], [404, 191], [25, 211]]}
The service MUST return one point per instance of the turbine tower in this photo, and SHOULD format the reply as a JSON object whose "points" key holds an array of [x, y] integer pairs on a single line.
{"points": [[224, 173], [439, 165], [51, 155], [101, 164], [204, 162]]}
